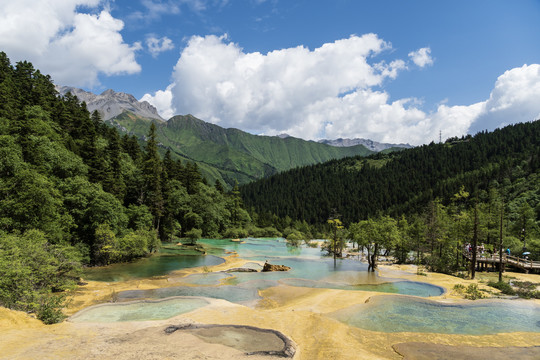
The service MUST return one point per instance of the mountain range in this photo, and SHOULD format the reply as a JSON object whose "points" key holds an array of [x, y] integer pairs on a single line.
{"points": [[369, 144], [227, 155]]}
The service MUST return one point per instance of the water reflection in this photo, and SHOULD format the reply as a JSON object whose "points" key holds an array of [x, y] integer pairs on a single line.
{"points": [[157, 265]]}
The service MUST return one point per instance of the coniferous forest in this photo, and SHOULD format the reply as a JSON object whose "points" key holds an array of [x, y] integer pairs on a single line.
{"points": [[399, 182], [425, 204], [74, 191]]}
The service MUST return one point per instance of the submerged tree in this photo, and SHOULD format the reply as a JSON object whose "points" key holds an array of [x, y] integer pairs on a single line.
{"points": [[375, 235], [336, 247]]}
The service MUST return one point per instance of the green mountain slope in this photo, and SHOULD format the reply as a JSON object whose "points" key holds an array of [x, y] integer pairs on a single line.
{"points": [[401, 182], [231, 155]]}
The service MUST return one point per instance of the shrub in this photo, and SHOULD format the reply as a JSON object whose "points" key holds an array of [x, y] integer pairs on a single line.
{"points": [[32, 269], [50, 309], [505, 287], [459, 288], [526, 290], [235, 233], [295, 236], [193, 235], [473, 293]]}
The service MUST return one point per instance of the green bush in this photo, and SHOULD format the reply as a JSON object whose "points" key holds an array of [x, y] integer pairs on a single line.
{"points": [[50, 309], [235, 233], [459, 288], [133, 244], [295, 235], [473, 293], [31, 269], [527, 290], [193, 235], [505, 287]]}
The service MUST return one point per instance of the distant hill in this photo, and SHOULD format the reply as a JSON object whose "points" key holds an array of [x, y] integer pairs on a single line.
{"points": [[370, 144], [402, 181], [231, 155], [227, 155]]}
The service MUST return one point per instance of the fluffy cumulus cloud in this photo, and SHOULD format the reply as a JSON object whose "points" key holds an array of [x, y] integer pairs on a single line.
{"points": [[162, 100], [74, 47], [215, 80], [515, 98], [421, 57], [330, 92]]}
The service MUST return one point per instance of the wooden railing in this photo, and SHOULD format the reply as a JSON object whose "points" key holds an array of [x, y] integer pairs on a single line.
{"points": [[522, 263], [516, 261]]}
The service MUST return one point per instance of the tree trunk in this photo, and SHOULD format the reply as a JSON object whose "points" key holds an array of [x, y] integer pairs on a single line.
{"points": [[501, 264], [374, 258], [369, 259], [475, 240]]}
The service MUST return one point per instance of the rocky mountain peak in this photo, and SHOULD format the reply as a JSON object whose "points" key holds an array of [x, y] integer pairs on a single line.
{"points": [[111, 103]]}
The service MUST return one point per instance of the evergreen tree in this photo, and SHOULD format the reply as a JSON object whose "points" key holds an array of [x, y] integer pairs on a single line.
{"points": [[152, 173]]}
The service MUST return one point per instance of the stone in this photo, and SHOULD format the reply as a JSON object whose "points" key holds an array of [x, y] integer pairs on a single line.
{"points": [[269, 267]]}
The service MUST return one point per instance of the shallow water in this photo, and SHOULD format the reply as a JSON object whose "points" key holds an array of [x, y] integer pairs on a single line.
{"points": [[259, 249], [157, 265], [244, 339], [206, 278], [396, 287], [233, 293], [408, 314], [308, 269], [139, 310]]}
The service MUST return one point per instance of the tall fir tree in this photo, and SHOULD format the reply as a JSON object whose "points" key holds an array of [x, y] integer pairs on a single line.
{"points": [[152, 172]]}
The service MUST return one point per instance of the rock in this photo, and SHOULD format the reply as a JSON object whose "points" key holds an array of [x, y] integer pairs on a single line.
{"points": [[241, 270], [269, 267]]}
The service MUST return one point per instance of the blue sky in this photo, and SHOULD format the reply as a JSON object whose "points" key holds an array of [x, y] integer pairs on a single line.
{"points": [[392, 70]]}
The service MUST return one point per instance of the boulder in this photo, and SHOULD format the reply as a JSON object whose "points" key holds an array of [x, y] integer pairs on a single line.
{"points": [[269, 267]]}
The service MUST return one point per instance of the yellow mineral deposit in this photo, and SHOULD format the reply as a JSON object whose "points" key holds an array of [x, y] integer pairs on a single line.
{"points": [[298, 313]]}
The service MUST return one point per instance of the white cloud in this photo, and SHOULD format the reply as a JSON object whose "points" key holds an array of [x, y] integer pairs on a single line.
{"points": [[157, 46], [329, 92], [65, 43], [218, 82], [422, 57], [162, 100], [515, 98]]}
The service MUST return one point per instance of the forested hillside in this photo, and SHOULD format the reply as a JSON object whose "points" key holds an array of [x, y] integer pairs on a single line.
{"points": [[232, 155], [422, 205], [72, 191], [401, 182]]}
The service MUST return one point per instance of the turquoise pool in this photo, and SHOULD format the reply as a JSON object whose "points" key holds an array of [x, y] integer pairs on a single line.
{"points": [[156, 265], [409, 314], [138, 310]]}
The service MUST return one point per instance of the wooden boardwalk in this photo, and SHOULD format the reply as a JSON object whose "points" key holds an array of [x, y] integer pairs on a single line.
{"points": [[484, 261]]}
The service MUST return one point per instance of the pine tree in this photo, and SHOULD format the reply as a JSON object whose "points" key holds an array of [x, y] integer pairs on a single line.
{"points": [[152, 173]]}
